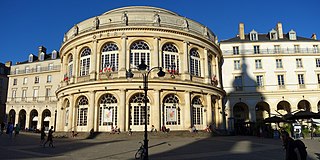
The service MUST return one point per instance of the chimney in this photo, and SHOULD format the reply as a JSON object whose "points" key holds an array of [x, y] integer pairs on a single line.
{"points": [[42, 49], [279, 30], [8, 64], [314, 36], [241, 31]]}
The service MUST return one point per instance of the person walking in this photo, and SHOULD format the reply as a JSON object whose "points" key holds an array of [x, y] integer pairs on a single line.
{"points": [[16, 130], [295, 149], [50, 138], [42, 136], [10, 129]]}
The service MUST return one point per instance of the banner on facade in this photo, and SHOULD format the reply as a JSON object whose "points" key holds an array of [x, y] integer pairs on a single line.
{"points": [[107, 115], [171, 114]]}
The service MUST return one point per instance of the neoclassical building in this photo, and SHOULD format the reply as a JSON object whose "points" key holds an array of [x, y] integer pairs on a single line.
{"points": [[266, 74], [96, 53]]}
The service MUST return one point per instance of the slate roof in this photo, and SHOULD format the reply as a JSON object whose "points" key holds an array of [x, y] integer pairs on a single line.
{"points": [[265, 38]]}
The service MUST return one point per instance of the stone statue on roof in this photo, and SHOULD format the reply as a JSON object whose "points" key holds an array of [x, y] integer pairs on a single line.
{"points": [[185, 24], [96, 23], [156, 19], [124, 18], [75, 30]]}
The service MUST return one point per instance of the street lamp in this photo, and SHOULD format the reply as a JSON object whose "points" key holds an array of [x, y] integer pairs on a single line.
{"points": [[143, 68]]}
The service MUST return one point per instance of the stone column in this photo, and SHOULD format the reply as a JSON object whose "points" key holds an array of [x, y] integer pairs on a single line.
{"points": [[75, 64], [71, 113], [39, 124], [75, 115], [27, 120], [122, 57], [127, 114], [218, 72], [64, 66], [206, 67], [59, 117], [217, 112], [93, 60], [185, 64], [187, 110], [122, 111], [16, 121], [91, 110], [209, 109], [98, 62], [222, 116], [155, 56], [96, 116], [156, 110]]}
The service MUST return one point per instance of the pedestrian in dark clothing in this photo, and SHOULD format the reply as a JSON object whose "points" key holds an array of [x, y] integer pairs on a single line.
{"points": [[50, 138], [42, 136], [2, 127], [293, 148]]}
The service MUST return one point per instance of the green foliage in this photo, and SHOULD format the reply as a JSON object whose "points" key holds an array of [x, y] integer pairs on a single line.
{"points": [[287, 127]]}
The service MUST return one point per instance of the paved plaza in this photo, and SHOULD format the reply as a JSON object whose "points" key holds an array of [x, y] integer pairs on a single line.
{"points": [[26, 146]]}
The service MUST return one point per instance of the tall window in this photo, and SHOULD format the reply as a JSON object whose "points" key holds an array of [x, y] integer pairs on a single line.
{"points": [[16, 71], [27, 70], [279, 63], [49, 78], [170, 58], [139, 51], [15, 81], [108, 110], [36, 80], [315, 49], [24, 94], [236, 50], [260, 80], [83, 105], [25, 80], [258, 64], [281, 81], [256, 49], [197, 111], [50, 66], [299, 63], [30, 58], [35, 94], [237, 65], [253, 35], [70, 65], [238, 83], [296, 48], [137, 111], [85, 61], [48, 93], [14, 93], [54, 54], [301, 80], [110, 56], [41, 58], [277, 49], [317, 62], [38, 69], [195, 63], [171, 110]]}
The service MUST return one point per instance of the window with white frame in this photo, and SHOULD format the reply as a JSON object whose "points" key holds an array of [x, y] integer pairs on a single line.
{"points": [[171, 110], [299, 63], [27, 69], [50, 66], [70, 65], [195, 62], [317, 62], [35, 93], [137, 111], [277, 49], [281, 80], [235, 50], [256, 49], [292, 35], [273, 35], [139, 51], [24, 94], [258, 64], [54, 54], [36, 79], [301, 79], [238, 83], [315, 49], [49, 78], [48, 92], [38, 68], [197, 111], [15, 81], [259, 80], [296, 48], [108, 110], [16, 71], [30, 58], [279, 63], [237, 65], [253, 35], [25, 80], [82, 117], [170, 58], [14, 93], [41, 58], [85, 61], [110, 57]]}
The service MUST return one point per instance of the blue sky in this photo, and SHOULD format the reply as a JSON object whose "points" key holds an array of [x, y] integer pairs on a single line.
{"points": [[27, 24]]}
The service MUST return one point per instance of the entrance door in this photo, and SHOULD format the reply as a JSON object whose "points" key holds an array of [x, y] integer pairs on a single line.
{"points": [[137, 115], [108, 116]]}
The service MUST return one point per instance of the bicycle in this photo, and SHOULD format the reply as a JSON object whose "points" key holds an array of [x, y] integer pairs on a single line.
{"points": [[140, 154]]}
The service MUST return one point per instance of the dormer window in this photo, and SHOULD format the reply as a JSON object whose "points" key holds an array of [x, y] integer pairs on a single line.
{"points": [[30, 58], [292, 35], [273, 35], [54, 54], [41, 58], [253, 35]]}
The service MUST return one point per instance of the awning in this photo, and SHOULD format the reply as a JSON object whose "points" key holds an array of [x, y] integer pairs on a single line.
{"points": [[47, 119], [35, 118]]}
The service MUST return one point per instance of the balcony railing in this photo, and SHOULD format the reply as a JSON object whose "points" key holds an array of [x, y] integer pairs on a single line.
{"points": [[36, 70], [273, 51], [33, 99]]}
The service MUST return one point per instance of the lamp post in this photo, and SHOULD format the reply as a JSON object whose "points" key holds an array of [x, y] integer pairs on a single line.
{"points": [[143, 68]]}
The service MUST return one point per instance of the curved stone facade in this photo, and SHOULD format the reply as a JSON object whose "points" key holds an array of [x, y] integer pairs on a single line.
{"points": [[96, 53]]}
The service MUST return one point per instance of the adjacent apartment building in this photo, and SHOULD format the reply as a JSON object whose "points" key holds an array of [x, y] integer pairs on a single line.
{"points": [[31, 98], [269, 73], [4, 71]]}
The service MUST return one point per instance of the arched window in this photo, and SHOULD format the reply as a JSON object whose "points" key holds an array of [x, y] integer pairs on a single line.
{"points": [[170, 58], [30, 58], [41, 58], [82, 111], [195, 63], [171, 110], [70, 65], [137, 112], [138, 51], [108, 110], [197, 111], [110, 57], [54, 54], [85, 61]]}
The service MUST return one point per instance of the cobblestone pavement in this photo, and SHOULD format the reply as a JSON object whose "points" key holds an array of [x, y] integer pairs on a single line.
{"points": [[27, 146]]}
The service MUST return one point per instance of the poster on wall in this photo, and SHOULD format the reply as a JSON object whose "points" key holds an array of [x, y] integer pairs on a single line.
{"points": [[107, 115], [67, 118], [171, 114]]}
